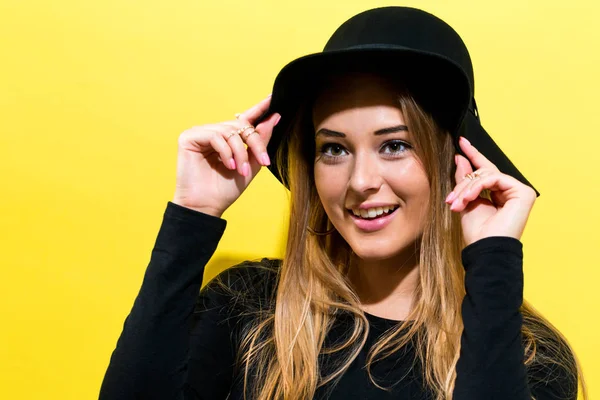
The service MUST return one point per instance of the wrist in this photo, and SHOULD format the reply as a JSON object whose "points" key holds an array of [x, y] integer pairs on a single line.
{"points": [[202, 209]]}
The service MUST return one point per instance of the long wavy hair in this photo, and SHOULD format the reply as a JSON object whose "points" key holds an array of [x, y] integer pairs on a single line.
{"points": [[280, 349]]}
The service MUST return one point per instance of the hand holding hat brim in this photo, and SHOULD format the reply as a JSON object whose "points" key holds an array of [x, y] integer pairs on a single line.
{"points": [[504, 214]]}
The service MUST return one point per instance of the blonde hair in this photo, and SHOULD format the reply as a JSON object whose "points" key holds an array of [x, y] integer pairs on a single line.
{"points": [[279, 351]]}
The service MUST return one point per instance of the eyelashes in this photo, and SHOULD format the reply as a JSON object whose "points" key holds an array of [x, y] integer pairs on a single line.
{"points": [[332, 150], [335, 152]]}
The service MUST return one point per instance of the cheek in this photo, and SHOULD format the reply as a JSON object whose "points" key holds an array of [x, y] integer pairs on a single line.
{"points": [[331, 185], [410, 183]]}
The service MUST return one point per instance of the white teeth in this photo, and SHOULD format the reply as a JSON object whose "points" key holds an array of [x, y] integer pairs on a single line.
{"points": [[372, 212]]}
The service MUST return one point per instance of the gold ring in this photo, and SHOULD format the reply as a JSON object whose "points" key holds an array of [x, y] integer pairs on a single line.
{"points": [[248, 135], [242, 130], [231, 134], [239, 131], [472, 175]]}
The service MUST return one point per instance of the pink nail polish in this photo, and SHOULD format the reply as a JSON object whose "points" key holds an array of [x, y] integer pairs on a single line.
{"points": [[264, 157], [232, 163], [245, 169], [466, 141], [277, 120], [454, 205], [450, 197]]}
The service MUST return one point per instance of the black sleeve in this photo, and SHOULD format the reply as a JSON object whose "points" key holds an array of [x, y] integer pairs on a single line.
{"points": [[152, 358], [492, 362]]}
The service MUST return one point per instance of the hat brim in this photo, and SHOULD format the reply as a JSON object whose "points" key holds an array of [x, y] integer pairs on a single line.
{"points": [[474, 132], [438, 84]]}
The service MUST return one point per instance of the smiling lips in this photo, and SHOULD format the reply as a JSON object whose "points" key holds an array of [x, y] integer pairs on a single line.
{"points": [[373, 218], [374, 212]]}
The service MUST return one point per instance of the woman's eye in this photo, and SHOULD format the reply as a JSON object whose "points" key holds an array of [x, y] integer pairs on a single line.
{"points": [[332, 150], [395, 147]]}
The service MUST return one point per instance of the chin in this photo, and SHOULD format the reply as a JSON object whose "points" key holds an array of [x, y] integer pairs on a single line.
{"points": [[373, 256], [380, 250], [377, 252]]}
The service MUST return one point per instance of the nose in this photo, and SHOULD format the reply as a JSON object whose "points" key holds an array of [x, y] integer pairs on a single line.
{"points": [[366, 174]]}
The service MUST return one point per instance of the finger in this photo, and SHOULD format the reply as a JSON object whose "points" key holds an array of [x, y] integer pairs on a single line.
{"points": [[220, 145], [464, 189], [254, 112], [494, 182], [255, 144], [258, 142], [477, 159], [237, 125], [240, 154], [463, 167]]}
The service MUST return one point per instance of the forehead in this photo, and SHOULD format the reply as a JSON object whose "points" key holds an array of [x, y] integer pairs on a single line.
{"points": [[356, 96]]}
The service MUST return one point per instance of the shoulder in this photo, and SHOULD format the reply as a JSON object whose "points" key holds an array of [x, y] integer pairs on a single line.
{"points": [[550, 361], [245, 286], [248, 275]]}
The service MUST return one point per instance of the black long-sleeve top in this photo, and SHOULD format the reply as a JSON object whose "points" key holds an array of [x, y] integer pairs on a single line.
{"points": [[179, 342]]}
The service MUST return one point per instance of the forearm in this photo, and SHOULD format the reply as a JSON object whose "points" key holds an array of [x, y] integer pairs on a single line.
{"points": [[151, 353], [491, 364]]}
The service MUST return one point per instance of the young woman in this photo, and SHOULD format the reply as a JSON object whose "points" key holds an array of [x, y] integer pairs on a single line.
{"points": [[403, 274]]}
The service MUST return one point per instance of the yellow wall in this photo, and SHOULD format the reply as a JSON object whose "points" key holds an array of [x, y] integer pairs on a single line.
{"points": [[93, 95]]}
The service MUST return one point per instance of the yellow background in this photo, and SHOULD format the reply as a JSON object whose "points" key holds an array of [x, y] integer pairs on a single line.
{"points": [[93, 95]]}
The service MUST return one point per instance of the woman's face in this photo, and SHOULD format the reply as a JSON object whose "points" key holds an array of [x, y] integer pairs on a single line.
{"points": [[368, 177]]}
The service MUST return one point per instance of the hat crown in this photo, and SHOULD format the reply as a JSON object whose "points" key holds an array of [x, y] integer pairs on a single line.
{"points": [[403, 27], [423, 50]]}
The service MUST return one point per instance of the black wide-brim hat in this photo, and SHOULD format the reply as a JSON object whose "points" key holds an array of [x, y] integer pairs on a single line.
{"points": [[423, 51]]}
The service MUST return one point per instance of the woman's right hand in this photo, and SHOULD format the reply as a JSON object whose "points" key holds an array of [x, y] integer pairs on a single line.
{"points": [[214, 167]]}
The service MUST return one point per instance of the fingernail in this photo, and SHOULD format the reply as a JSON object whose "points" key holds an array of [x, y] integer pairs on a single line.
{"points": [[456, 159], [466, 141], [264, 157], [245, 169], [450, 197], [232, 163], [270, 94], [454, 205], [277, 120]]}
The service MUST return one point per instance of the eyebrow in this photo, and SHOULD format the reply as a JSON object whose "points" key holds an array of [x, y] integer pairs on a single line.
{"points": [[384, 131]]}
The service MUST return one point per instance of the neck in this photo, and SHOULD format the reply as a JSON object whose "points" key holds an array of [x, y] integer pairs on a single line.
{"points": [[386, 287]]}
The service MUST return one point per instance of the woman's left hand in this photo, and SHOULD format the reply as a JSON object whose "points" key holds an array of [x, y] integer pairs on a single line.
{"points": [[505, 215]]}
